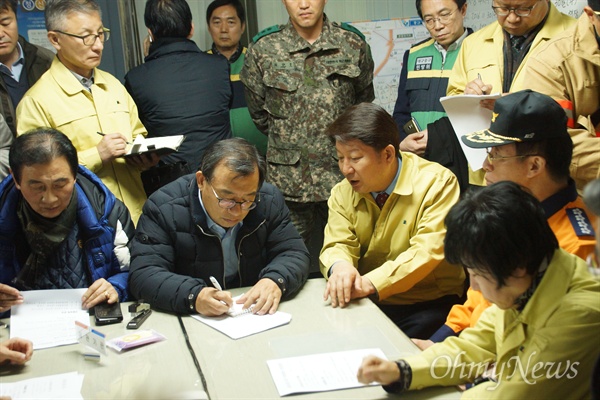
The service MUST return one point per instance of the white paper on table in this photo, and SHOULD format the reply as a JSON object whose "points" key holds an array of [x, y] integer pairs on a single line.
{"points": [[61, 386], [47, 317], [319, 372], [467, 116], [245, 324]]}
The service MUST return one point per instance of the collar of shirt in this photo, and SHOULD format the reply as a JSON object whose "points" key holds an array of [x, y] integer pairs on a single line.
{"points": [[453, 46], [522, 300], [17, 67], [234, 57], [85, 82], [390, 189], [216, 228]]}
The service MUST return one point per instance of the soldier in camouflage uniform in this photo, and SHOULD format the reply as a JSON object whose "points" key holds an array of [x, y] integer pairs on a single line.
{"points": [[300, 77]]}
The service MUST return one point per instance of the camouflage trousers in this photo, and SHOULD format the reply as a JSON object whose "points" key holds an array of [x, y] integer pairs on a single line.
{"points": [[308, 217]]}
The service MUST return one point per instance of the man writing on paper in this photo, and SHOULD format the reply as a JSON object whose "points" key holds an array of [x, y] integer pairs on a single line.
{"points": [[384, 236], [81, 100], [493, 58], [542, 331], [222, 222], [60, 227]]}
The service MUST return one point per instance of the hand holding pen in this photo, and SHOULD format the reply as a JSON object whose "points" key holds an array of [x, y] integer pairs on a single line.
{"points": [[111, 146], [478, 87], [213, 301]]}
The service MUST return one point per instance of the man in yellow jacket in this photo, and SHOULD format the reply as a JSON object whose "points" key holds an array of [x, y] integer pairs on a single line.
{"points": [[492, 60], [542, 329], [385, 229], [82, 101], [568, 70]]}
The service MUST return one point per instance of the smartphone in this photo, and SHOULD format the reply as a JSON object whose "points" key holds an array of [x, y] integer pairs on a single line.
{"points": [[106, 314], [411, 126]]}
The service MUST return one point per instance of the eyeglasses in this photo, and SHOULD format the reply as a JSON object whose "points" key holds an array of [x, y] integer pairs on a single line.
{"points": [[491, 158], [519, 11], [89, 40], [230, 203], [444, 18]]}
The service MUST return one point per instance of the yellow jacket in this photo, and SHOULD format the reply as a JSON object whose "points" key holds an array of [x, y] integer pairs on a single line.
{"points": [[568, 69], [547, 351], [58, 100], [481, 53], [401, 247]]}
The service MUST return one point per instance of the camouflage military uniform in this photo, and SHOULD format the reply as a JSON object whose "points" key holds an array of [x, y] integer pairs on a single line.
{"points": [[294, 91]]}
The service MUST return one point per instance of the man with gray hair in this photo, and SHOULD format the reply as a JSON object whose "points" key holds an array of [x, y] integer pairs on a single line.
{"points": [[82, 101], [222, 223]]}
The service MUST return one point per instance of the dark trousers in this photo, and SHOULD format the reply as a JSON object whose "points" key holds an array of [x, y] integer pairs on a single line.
{"points": [[421, 320]]}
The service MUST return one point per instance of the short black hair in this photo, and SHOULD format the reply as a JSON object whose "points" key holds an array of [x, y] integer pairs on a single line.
{"points": [[239, 9], [498, 229], [459, 3], [594, 4], [557, 152], [237, 154], [168, 18], [41, 146], [57, 11], [366, 122], [9, 5]]}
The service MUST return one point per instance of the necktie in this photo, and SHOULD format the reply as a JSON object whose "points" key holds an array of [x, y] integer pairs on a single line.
{"points": [[517, 42], [381, 198]]}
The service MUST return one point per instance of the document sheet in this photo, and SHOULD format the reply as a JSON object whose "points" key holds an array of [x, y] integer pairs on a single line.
{"points": [[319, 372], [61, 386], [467, 116], [47, 317]]}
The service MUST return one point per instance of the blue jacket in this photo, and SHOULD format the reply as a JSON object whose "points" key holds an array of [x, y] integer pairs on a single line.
{"points": [[100, 216]]}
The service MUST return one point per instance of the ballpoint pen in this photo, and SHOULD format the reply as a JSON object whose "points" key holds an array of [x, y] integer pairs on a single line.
{"points": [[215, 283], [104, 134]]}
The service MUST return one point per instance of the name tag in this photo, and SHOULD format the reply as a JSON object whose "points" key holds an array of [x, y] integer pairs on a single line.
{"points": [[423, 63], [284, 65], [330, 62], [580, 222]]}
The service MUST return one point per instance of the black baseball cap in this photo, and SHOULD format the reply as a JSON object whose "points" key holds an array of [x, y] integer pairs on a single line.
{"points": [[524, 116]]}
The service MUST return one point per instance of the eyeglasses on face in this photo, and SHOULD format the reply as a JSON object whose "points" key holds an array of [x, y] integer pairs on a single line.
{"points": [[491, 158], [230, 203], [89, 40], [444, 18], [519, 11]]}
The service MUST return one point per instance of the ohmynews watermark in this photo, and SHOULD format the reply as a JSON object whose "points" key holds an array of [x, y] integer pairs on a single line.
{"points": [[530, 372]]}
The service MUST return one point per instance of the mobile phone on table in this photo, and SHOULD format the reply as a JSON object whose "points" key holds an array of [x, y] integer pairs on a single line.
{"points": [[411, 126], [106, 314]]}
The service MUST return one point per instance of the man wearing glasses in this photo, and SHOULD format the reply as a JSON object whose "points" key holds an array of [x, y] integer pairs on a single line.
{"points": [[564, 70], [492, 59], [528, 143], [82, 100], [425, 70], [223, 223]]}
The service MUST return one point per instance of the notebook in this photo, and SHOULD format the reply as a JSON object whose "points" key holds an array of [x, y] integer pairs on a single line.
{"points": [[238, 323], [159, 145]]}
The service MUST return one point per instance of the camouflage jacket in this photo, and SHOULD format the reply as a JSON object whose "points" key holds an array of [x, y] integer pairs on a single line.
{"points": [[294, 91]]}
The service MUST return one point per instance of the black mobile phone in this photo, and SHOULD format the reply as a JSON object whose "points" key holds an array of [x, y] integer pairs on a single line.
{"points": [[106, 314], [411, 126]]}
